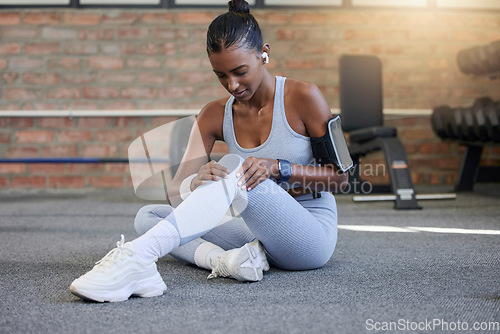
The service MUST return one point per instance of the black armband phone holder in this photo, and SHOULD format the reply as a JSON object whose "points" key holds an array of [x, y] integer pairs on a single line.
{"points": [[332, 147]]}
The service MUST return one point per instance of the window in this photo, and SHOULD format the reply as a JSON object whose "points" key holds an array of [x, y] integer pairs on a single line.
{"points": [[303, 3], [485, 4], [34, 2], [390, 3]]}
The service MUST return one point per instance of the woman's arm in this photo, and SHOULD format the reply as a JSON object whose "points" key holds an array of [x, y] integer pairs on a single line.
{"points": [[206, 130]]}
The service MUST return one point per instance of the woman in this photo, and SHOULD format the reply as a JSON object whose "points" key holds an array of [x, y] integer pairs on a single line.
{"points": [[269, 177]]}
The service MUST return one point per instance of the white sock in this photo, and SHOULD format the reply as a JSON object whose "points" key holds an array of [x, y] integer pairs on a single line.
{"points": [[206, 254], [157, 242]]}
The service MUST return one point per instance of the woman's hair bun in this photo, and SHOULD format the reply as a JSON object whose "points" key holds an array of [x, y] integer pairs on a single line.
{"points": [[239, 6]]}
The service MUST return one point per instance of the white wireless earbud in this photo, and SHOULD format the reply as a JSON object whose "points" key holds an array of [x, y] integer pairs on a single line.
{"points": [[265, 56]]}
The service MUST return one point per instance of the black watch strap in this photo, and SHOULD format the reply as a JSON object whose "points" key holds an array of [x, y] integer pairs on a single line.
{"points": [[285, 168]]}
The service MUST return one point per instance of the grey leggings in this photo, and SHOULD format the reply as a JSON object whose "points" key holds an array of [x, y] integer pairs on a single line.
{"points": [[297, 233]]}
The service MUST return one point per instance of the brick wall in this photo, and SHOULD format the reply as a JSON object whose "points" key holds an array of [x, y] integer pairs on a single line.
{"points": [[155, 59]]}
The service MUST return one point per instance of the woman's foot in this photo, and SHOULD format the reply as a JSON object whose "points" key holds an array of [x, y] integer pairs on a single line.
{"points": [[246, 264], [119, 275]]}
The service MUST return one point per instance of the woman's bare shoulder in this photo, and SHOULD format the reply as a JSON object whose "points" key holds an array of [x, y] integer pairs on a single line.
{"points": [[211, 117]]}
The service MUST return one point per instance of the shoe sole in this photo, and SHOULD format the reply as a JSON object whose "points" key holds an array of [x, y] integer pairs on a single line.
{"points": [[145, 288], [251, 263]]}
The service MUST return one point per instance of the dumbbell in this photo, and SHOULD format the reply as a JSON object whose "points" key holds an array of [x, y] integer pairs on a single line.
{"points": [[437, 121], [479, 118], [493, 53], [456, 124], [492, 121]]}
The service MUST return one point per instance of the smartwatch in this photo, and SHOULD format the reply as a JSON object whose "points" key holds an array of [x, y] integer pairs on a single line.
{"points": [[285, 168]]}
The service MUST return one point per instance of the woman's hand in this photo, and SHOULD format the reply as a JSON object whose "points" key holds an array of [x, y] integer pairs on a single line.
{"points": [[211, 171], [256, 170]]}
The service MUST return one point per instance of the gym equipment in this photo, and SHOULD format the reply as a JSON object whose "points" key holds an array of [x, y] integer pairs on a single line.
{"points": [[474, 127], [492, 113], [480, 60], [361, 112]]}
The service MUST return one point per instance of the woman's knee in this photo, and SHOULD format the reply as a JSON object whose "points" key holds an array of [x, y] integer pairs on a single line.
{"points": [[149, 215]]}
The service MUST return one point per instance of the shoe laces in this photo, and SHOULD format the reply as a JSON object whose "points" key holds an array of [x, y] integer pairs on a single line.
{"points": [[220, 270], [114, 256]]}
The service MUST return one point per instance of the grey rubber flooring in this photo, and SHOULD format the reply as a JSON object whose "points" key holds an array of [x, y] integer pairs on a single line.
{"points": [[378, 279]]}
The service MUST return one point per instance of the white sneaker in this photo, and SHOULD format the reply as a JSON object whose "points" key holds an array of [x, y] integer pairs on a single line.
{"points": [[244, 264], [119, 275]]}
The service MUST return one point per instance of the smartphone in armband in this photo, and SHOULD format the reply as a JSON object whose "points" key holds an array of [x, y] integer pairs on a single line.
{"points": [[332, 147]]}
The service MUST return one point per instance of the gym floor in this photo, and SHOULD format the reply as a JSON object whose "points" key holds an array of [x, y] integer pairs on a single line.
{"points": [[413, 271]]}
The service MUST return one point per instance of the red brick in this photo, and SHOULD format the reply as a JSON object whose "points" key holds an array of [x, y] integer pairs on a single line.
{"points": [[82, 105], [41, 18], [100, 92], [21, 152], [194, 18], [55, 122], [14, 168], [105, 63], [19, 94], [5, 137], [117, 77], [60, 151], [68, 63], [66, 93], [59, 33], [42, 48], [9, 78], [96, 34], [132, 33], [74, 136], [119, 105], [91, 168], [104, 151], [114, 135], [10, 48], [344, 18], [81, 48], [117, 168], [81, 19], [171, 33], [434, 148], [194, 77], [106, 181], [4, 182], [41, 78], [78, 78], [139, 93], [176, 92], [438, 64], [367, 35], [151, 18], [144, 63], [155, 78], [46, 168], [128, 122], [308, 18], [25, 63], [19, 33], [169, 49], [273, 18], [120, 18], [10, 18], [3, 64], [28, 182], [66, 181], [34, 136], [94, 122]]}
